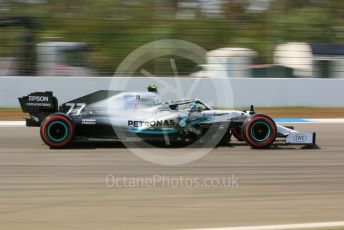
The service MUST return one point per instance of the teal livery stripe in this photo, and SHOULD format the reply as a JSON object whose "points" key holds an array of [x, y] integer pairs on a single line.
{"points": [[153, 132]]}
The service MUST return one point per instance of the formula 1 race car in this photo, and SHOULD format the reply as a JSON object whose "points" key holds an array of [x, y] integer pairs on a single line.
{"points": [[125, 116]]}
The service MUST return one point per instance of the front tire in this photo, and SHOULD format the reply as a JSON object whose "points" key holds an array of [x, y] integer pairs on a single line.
{"points": [[259, 131], [57, 131]]}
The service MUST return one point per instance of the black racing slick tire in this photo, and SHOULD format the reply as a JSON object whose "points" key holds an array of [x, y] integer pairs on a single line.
{"points": [[57, 131], [259, 131]]}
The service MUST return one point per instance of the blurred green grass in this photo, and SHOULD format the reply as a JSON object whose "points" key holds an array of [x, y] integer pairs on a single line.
{"points": [[115, 28]]}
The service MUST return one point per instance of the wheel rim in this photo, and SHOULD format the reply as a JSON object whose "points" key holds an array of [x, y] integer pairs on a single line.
{"points": [[57, 131], [260, 131]]}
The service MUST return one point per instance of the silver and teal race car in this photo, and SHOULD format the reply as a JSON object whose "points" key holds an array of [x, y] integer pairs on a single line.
{"points": [[141, 116]]}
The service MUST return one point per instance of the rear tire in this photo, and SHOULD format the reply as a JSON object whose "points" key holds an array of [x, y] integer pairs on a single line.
{"points": [[259, 131], [57, 131]]}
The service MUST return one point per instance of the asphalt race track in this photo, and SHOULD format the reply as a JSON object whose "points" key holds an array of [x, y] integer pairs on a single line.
{"points": [[42, 188]]}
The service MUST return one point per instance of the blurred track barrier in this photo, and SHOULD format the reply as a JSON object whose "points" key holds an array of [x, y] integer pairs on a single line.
{"points": [[267, 92]]}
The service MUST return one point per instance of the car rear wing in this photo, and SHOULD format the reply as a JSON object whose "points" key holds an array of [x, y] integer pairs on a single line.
{"points": [[39, 105]]}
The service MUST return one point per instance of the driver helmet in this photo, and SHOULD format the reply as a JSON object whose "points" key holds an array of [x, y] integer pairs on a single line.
{"points": [[152, 88]]}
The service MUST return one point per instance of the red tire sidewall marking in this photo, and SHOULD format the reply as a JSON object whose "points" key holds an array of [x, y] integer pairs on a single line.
{"points": [[47, 121], [269, 140]]}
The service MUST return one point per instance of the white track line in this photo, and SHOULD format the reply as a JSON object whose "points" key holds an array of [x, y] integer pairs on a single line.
{"points": [[12, 123], [310, 121], [332, 120], [283, 226]]}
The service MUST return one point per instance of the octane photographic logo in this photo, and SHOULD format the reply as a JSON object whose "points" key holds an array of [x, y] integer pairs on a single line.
{"points": [[213, 90]]}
